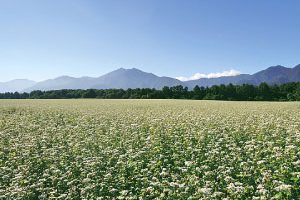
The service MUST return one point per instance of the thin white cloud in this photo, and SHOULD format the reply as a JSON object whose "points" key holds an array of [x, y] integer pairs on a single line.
{"points": [[196, 76]]}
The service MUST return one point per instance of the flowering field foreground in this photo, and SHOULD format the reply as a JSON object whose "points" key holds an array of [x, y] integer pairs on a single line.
{"points": [[149, 149]]}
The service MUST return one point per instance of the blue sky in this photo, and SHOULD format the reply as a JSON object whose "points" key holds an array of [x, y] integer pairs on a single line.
{"points": [[49, 38]]}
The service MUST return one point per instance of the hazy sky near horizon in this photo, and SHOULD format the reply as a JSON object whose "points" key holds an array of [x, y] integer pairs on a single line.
{"points": [[49, 38]]}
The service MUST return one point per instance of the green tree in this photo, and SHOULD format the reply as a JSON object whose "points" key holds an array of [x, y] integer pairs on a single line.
{"points": [[90, 93]]}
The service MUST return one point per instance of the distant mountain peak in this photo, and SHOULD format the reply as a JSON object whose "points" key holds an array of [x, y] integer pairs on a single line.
{"points": [[64, 77], [277, 66], [135, 69], [129, 69], [120, 69], [274, 69]]}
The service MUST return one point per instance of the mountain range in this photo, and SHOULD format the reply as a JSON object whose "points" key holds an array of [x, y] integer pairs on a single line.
{"points": [[135, 78], [16, 85]]}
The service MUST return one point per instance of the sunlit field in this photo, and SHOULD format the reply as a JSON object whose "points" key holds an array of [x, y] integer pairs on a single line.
{"points": [[149, 149]]}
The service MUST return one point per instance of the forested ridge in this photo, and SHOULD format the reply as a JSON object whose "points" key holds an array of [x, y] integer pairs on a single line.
{"points": [[245, 92]]}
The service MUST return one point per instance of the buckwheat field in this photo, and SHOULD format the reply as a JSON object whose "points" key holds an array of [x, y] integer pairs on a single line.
{"points": [[149, 149]]}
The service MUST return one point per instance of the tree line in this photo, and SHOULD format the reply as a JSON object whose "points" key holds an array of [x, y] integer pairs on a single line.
{"points": [[245, 92]]}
